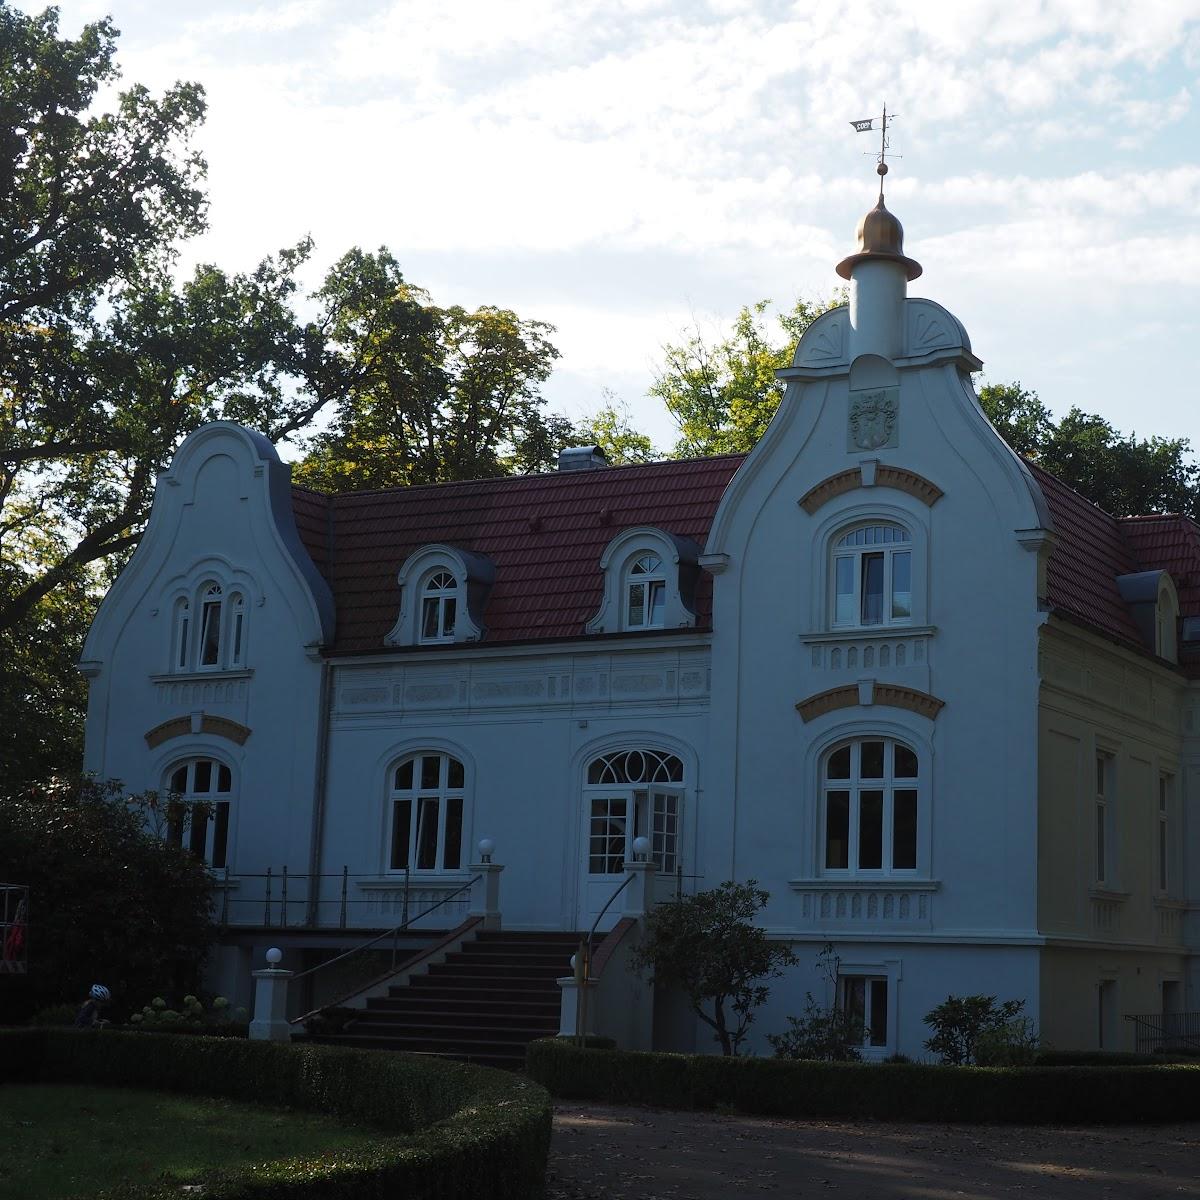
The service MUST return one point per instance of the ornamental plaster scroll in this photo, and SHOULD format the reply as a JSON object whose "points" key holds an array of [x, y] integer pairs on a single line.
{"points": [[183, 726], [871, 474], [889, 695], [680, 558], [824, 341], [474, 574]]}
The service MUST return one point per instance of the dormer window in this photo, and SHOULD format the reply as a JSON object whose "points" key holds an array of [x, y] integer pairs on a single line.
{"points": [[439, 603], [210, 627], [872, 577], [646, 593], [443, 592]]}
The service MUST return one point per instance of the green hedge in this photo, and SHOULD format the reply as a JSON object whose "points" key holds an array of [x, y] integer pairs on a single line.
{"points": [[449, 1129], [884, 1091]]}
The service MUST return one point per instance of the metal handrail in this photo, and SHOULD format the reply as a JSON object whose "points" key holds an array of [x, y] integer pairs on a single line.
{"points": [[388, 932], [583, 972]]}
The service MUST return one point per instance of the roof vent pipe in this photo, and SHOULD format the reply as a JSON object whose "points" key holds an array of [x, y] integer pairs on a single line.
{"points": [[582, 458]]}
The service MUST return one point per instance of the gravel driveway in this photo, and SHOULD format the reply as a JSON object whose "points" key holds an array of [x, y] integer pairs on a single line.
{"points": [[610, 1152]]}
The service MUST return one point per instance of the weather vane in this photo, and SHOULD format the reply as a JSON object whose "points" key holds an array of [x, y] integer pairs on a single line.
{"points": [[885, 143]]}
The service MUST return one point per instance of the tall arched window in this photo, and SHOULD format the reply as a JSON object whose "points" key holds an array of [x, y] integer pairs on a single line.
{"points": [[183, 622], [870, 808], [871, 577], [645, 593], [631, 793], [439, 606], [201, 791], [210, 626], [427, 795], [237, 629]]}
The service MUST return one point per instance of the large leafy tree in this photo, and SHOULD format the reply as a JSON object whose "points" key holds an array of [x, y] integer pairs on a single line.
{"points": [[424, 394], [105, 362], [1123, 474], [723, 393], [111, 901]]}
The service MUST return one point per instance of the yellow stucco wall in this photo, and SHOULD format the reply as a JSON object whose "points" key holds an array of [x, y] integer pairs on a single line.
{"points": [[1122, 932]]}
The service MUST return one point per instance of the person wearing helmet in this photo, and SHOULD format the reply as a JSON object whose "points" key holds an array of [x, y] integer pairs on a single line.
{"points": [[90, 1014]]}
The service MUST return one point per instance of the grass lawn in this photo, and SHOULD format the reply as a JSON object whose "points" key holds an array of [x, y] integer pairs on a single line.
{"points": [[62, 1140]]}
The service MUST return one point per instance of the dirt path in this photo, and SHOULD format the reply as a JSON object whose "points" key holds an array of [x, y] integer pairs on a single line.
{"points": [[607, 1152]]}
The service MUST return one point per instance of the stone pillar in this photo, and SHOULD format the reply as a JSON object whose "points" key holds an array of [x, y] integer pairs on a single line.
{"points": [[638, 898], [577, 1011], [485, 895], [270, 1022]]}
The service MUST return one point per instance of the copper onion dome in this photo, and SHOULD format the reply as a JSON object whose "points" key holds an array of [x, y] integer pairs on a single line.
{"points": [[880, 239]]}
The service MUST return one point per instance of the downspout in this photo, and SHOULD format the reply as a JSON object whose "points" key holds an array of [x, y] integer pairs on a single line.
{"points": [[319, 788]]}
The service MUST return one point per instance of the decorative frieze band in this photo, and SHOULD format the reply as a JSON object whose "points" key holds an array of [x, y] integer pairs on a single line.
{"points": [[198, 723], [890, 695], [871, 474]]}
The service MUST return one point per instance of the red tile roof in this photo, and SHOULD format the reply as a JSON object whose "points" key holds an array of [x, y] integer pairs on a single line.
{"points": [[544, 534]]}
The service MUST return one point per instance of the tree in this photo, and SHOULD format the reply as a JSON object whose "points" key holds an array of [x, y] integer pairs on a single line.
{"points": [[1124, 475], [424, 394], [104, 361], [611, 428], [959, 1022], [724, 395], [110, 900], [826, 1032], [708, 946]]}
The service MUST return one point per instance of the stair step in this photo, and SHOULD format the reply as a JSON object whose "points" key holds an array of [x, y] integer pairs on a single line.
{"points": [[459, 983], [556, 962], [479, 1013], [449, 1035], [500, 970]]}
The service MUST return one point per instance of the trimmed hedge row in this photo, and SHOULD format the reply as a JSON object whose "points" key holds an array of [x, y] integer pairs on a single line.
{"points": [[448, 1129], [884, 1091]]}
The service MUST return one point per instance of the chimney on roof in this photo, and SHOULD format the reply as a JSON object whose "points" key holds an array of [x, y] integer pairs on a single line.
{"points": [[582, 458]]}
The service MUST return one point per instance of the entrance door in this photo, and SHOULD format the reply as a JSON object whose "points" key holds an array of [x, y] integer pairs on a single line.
{"points": [[613, 818]]}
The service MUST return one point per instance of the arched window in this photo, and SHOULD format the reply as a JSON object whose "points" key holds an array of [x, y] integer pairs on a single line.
{"points": [[439, 604], [237, 629], [645, 593], [210, 626], [183, 621], [871, 577], [201, 791], [870, 808], [427, 793], [631, 793]]}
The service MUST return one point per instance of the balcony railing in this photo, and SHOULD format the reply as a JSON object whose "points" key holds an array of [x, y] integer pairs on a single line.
{"points": [[282, 899], [1162, 1033]]}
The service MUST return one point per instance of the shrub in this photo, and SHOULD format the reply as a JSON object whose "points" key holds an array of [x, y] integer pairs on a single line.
{"points": [[1012, 1044], [829, 1034], [191, 1017], [959, 1021], [447, 1129], [708, 946], [895, 1092], [55, 1014]]}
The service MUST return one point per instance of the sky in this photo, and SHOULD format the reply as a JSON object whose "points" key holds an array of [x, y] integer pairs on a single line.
{"points": [[628, 169]]}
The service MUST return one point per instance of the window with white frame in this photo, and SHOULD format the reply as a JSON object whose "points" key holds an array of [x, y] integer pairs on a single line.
{"points": [[209, 629], [1164, 834], [870, 809], [439, 607], [200, 791], [210, 626], [871, 577], [1103, 816], [864, 999], [645, 593], [634, 793], [427, 796]]}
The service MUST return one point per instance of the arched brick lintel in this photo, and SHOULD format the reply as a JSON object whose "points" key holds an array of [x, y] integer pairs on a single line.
{"points": [[871, 475], [182, 726], [887, 695]]}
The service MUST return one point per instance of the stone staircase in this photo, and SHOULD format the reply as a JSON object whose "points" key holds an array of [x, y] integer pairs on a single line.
{"points": [[482, 1005]]}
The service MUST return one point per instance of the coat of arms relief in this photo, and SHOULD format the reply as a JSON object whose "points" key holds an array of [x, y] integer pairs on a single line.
{"points": [[873, 418]]}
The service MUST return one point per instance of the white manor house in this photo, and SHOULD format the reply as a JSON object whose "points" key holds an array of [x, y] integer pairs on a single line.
{"points": [[941, 707]]}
